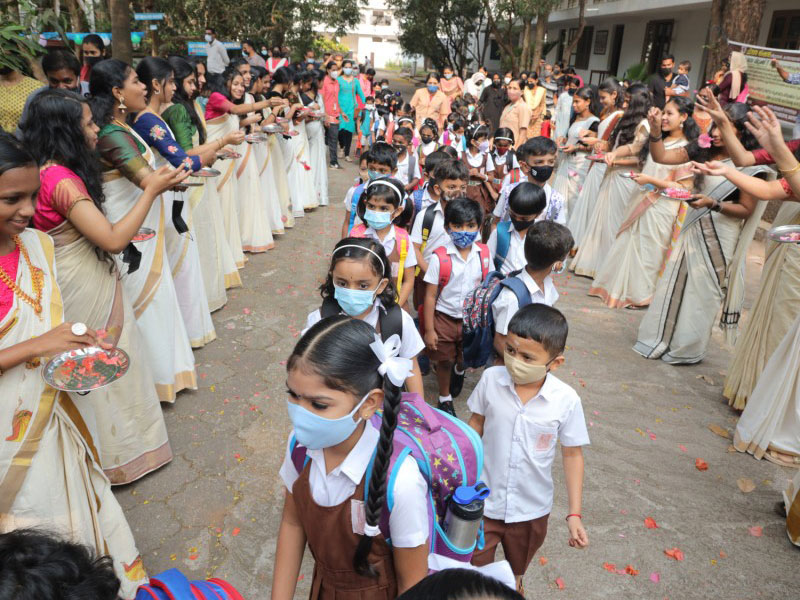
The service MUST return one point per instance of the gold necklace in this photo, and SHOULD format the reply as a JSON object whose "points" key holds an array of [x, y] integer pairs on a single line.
{"points": [[37, 279]]}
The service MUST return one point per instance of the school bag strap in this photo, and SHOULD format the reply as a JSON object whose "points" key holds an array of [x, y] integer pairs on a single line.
{"points": [[416, 196], [503, 243], [486, 257], [412, 164], [445, 268], [514, 176], [427, 223], [359, 231], [403, 243], [330, 308], [516, 285], [354, 205]]}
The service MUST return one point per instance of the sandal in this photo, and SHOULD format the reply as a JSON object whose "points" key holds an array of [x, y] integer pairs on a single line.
{"points": [[784, 460]]}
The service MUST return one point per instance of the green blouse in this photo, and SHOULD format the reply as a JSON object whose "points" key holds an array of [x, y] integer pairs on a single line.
{"points": [[177, 117], [120, 151]]}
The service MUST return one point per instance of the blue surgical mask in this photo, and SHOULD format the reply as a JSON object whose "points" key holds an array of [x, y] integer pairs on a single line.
{"points": [[377, 220], [347, 71], [316, 432], [463, 239], [354, 302], [373, 175], [433, 89]]}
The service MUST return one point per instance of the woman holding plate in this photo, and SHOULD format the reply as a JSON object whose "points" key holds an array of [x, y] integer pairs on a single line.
{"points": [[132, 437], [127, 165], [49, 470]]}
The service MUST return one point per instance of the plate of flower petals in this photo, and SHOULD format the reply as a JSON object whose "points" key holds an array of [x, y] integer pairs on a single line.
{"points": [[676, 194], [144, 234], [206, 172], [255, 138], [85, 369], [597, 157], [785, 234], [272, 128], [629, 174]]}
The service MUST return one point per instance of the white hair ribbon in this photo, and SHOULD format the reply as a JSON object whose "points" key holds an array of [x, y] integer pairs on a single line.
{"points": [[371, 530], [393, 366]]}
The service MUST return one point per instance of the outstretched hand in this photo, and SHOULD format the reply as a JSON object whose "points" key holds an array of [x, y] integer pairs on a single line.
{"points": [[766, 128]]}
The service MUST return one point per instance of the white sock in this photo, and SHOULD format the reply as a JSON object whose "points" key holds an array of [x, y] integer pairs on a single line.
{"points": [[445, 398], [459, 372]]}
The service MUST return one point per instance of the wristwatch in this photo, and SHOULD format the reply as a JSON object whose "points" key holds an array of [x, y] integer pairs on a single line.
{"points": [[717, 206]]}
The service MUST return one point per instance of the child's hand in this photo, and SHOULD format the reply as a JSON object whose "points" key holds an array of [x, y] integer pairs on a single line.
{"points": [[432, 340], [578, 538]]}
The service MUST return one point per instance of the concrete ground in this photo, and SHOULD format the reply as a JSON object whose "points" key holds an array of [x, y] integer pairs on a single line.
{"points": [[215, 510]]}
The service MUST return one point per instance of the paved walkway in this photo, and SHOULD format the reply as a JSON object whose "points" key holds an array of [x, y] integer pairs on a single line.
{"points": [[216, 508]]}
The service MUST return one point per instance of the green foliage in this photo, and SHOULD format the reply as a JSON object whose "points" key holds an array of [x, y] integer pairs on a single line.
{"points": [[19, 41], [637, 72]]}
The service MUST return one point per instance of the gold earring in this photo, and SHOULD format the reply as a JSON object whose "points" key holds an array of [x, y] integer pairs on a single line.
{"points": [[122, 106]]}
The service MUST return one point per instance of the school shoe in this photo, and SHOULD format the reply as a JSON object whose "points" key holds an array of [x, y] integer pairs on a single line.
{"points": [[456, 382], [335, 166], [448, 407]]}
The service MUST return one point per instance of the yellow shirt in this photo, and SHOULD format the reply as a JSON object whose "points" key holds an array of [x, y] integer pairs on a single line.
{"points": [[12, 101]]}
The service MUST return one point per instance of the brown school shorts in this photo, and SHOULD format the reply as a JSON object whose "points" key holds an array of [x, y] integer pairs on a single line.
{"points": [[520, 542], [449, 331]]}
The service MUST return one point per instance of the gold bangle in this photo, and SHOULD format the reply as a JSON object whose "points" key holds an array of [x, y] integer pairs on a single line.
{"points": [[791, 171]]}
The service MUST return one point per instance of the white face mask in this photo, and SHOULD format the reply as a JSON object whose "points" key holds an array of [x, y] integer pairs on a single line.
{"points": [[334, 74], [209, 38], [507, 80]]}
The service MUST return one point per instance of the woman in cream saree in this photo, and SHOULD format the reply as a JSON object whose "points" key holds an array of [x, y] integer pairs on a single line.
{"points": [[126, 162], [50, 475]]}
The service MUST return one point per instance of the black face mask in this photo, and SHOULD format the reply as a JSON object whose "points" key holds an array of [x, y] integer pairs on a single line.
{"points": [[571, 91], [541, 173], [495, 84], [665, 72], [520, 225], [426, 139], [91, 61], [399, 149], [531, 84]]}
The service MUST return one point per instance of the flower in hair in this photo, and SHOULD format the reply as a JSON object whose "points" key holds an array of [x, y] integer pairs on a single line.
{"points": [[704, 141]]}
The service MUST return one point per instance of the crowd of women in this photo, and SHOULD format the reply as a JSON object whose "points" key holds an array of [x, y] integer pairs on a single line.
{"points": [[146, 198], [127, 216]]}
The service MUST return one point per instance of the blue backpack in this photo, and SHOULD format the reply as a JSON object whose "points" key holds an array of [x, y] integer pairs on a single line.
{"points": [[173, 585], [503, 243], [478, 318], [354, 205]]}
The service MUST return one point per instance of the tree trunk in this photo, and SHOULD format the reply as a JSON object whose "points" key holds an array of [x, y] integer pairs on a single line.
{"points": [[541, 29], [121, 46], [504, 41], [101, 12], [581, 25], [736, 20], [486, 43], [75, 20], [524, 57]]}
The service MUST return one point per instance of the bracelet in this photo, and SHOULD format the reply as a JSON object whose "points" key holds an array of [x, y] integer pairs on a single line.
{"points": [[791, 171], [574, 515], [658, 139]]}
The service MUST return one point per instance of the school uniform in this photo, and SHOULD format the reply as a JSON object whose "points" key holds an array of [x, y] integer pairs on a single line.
{"points": [[476, 187], [348, 203], [403, 170], [329, 506], [465, 276], [437, 237], [389, 243], [515, 256], [411, 342], [506, 306], [554, 209], [519, 442]]}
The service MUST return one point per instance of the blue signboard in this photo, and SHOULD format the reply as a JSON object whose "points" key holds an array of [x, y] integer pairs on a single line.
{"points": [[201, 48], [148, 16], [136, 36]]}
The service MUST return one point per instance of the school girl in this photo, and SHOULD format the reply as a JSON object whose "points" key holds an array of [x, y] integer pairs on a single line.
{"points": [[480, 165], [359, 285], [381, 208], [503, 157], [335, 453]]}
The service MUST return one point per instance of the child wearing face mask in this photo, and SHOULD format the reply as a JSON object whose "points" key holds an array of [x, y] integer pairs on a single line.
{"points": [[407, 163], [428, 136], [381, 206], [480, 166], [524, 396], [545, 247], [453, 136], [360, 285], [356, 188], [503, 156], [381, 162], [507, 242], [338, 376], [367, 122], [455, 269], [537, 159]]}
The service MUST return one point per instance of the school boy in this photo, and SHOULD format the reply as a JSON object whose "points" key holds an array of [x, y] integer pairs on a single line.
{"points": [[507, 242], [407, 163], [449, 182], [546, 246], [381, 161], [454, 270], [521, 410], [537, 159], [427, 195]]}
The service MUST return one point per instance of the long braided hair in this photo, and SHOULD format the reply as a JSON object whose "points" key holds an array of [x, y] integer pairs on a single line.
{"points": [[337, 349]]}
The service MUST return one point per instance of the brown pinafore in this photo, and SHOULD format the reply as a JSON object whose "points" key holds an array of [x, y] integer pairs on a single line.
{"points": [[329, 532], [476, 190]]}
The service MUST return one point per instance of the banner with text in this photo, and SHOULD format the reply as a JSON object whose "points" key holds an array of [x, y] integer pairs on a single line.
{"points": [[766, 86]]}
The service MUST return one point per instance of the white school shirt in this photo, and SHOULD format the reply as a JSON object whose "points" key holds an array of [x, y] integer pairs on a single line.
{"points": [[348, 202], [477, 160], [553, 210], [388, 244], [402, 170], [411, 342], [437, 236], [519, 442], [506, 306], [464, 277], [428, 148], [408, 521], [515, 257]]}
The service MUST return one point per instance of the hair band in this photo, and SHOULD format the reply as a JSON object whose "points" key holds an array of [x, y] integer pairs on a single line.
{"points": [[497, 137], [375, 254], [375, 182]]}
